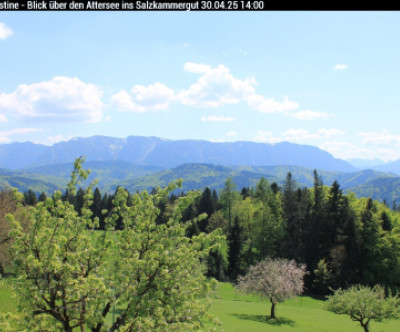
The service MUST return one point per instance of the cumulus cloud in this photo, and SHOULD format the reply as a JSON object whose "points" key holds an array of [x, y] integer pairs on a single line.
{"points": [[328, 133], [340, 67], [214, 88], [308, 115], [5, 31], [270, 105], [215, 118], [217, 87], [143, 98], [61, 99], [231, 133], [380, 138], [193, 67], [303, 134], [56, 139], [266, 137], [5, 135], [347, 150], [338, 148]]}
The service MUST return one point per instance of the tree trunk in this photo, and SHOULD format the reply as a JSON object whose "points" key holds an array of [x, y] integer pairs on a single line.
{"points": [[365, 326], [273, 310]]}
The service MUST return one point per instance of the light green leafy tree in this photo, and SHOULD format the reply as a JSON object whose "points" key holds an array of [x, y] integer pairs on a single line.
{"points": [[323, 277], [364, 304], [144, 277]]}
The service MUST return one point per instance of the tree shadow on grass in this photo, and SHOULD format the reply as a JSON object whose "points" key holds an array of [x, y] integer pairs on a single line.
{"points": [[266, 319]]}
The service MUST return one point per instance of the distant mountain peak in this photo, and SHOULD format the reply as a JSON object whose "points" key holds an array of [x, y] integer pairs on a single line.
{"points": [[169, 153]]}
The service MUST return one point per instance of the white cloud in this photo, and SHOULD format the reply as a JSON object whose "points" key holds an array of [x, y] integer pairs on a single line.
{"points": [[5, 31], [5, 135], [308, 115], [144, 98], [328, 133], [215, 118], [300, 134], [266, 137], [270, 105], [61, 99], [340, 67], [56, 139], [3, 118], [193, 67], [382, 138], [347, 150], [231, 133], [216, 87], [339, 149], [382, 145]]}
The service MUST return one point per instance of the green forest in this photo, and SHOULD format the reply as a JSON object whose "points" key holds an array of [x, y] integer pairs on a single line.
{"points": [[76, 256]]}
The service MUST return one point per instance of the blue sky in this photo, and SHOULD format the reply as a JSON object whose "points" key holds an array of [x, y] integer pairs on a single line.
{"points": [[329, 79]]}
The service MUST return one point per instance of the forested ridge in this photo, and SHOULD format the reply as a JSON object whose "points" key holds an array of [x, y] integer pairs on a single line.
{"points": [[111, 174], [136, 261], [343, 240]]}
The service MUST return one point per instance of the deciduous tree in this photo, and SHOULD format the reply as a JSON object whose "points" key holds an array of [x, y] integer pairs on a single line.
{"points": [[275, 279], [73, 277], [364, 304]]}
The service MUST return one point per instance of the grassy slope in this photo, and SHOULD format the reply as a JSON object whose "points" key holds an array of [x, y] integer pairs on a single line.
{"points": [[303, 314], [245, 313]]}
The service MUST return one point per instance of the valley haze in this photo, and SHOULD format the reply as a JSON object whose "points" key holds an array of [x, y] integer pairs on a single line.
{"points": [[142, 163]]}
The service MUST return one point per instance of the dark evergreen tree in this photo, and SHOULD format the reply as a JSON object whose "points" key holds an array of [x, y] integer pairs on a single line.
{"points": [[205, 205], [314, 228], [96, 205], [386, 222], [80, 200], [245, 192], [275, 188], [215, 200], [291, 245], [235, 248], [103, 206], [334, 236], [228, 197], [370, 237], [216, 266], [30, 197], [351, 268], [42, 197]]}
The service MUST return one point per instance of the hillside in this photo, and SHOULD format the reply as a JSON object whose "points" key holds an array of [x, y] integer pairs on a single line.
{"points": [[108, 173], [198, 176], [382, 189], [393, 167], [26, 180], [111, 174]]}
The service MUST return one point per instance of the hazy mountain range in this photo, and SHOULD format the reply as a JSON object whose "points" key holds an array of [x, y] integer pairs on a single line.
{"points": [[139, 163], [156, 151]]}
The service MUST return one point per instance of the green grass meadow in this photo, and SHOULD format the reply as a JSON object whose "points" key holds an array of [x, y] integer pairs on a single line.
{"points": [[246, 313]]}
